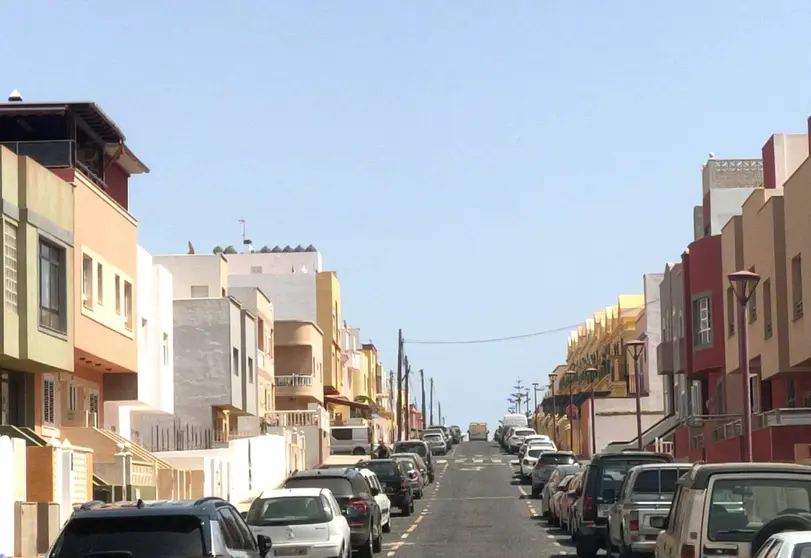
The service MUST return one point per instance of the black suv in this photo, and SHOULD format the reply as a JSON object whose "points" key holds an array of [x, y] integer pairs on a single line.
{"points": [[393, 475], [601, 482], [420, 448], [357, 501], [204, 527]]}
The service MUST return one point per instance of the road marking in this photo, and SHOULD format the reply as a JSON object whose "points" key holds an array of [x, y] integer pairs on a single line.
{"points": [[522, 491], [411, 529], [478, 460], [551, 537], [391, 553], [441, 461], [404, 536]]}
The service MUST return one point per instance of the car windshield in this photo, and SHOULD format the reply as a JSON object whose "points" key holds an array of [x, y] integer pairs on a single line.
{"points": [[292, 510], [524, 432], [657, 481], [550, 458], [741, 506], [534, 451], [433, 437], [410, 448], [340, 486], [383, 469], [171, 536]]}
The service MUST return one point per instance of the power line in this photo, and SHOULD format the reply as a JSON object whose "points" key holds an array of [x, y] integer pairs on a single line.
{"points": [[500, 339]]}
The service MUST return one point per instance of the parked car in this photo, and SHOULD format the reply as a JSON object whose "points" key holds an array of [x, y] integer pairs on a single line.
{"points": [[557, 474], [436, 442], [418, 464], [421, 448], [353, 440], [787, 545], [395, 479], [382, 500], [736, 507], [456, 434], [205, 527], [558, 498], [530, 458], [356, 500], [301, 521], [415, 479], [548, 462], [567, 503], [646, 492], [603, 477], [517, 438]]}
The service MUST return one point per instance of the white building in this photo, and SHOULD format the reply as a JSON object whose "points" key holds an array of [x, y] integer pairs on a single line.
{"points": [[155, 358]]}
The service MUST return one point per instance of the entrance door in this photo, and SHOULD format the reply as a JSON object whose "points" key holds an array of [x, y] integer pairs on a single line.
{"points": [[16, 398]]}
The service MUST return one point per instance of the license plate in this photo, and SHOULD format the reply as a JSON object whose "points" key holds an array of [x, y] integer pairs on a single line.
{"points": [[291, 551], [602, 510]]}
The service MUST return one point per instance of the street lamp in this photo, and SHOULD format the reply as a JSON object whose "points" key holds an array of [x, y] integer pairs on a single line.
{"points": [[744, 284], [592, 372], [636, 347], [552, 378], [571, 374]]}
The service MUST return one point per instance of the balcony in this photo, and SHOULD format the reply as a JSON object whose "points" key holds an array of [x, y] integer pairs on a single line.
{"points": [[312, 417], [54, 154], [83, 419], [298, 385]]}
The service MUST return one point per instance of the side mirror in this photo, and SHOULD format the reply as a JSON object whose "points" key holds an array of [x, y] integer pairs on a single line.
{"points": [[608, 495], [658, 522], [264, 543], [375, 491]]}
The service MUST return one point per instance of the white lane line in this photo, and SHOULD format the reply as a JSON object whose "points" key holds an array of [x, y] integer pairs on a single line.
{"points": [[551, 537], [411, 529], [478, 460], [418, 520], [391, 553], [441, 461], [404, 536]]}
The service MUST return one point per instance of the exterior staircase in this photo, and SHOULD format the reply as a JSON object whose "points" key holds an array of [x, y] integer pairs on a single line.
{"points": [[32, 439], [78, 435]]}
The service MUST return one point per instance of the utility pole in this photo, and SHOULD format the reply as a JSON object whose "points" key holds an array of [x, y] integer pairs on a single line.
{"points": [[406, 398], [422, 387], [393, 435], [439, 409], [431, 408], [400, 384]]}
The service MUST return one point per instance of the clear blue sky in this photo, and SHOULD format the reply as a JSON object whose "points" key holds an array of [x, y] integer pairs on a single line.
{"points": [[471, 169]]}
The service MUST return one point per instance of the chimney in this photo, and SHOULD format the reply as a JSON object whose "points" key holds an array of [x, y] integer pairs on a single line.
{"points": [[247, 246]]}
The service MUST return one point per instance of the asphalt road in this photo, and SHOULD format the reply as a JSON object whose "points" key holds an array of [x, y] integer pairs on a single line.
{"points": [[476, 508]]}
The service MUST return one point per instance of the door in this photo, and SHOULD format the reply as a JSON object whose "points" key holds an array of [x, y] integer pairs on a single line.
{"points": [[16, 398]]}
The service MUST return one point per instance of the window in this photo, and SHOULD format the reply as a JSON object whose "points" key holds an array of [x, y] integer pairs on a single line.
{"points": [[48, 401], [175, 535], [791, 394], [100, 284], [250, 370], [236, 362], [52, 308], [118, 295], [702, 322], [128, 305], [797, 286], [93, 402], [342, 433], [73, 397], [753, 303], [199, 291], [767, 308], [165, 349], [87, 282], [256, 269], [754, 392], [732, 308], [289, 510], [260, 326], [10, 265], [720, 402]]}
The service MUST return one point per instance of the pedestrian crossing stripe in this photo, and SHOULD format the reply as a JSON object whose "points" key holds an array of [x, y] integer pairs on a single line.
{"points": [[474, 460]]}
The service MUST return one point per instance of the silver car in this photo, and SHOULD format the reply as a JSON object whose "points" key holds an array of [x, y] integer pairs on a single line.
{"points": [[436, 442]]}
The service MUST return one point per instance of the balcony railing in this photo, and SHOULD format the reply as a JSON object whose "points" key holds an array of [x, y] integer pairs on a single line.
{"points": [[221, 437], [85, 419], [51, 154], [314, 417], [294, 380], [782, 417]]}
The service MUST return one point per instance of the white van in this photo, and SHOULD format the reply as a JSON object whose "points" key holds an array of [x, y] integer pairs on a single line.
{"points": [[514, 421], [353, 440]]}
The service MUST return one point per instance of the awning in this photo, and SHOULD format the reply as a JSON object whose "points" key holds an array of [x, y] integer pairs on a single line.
{"points": [[346, 402]]}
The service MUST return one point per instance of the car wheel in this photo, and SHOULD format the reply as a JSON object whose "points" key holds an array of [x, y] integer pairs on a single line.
{"points": [[377, 544], [387, 526], [358, 451], [366, 551]]}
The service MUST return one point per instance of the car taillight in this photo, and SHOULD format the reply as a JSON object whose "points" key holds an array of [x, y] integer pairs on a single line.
{"points": [[634, 525], [404, 485], [358, 504], [588, 503]]}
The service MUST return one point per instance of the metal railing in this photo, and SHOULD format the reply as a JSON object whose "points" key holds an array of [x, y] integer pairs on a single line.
{"points": [[294, 380], [313, 417]]}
